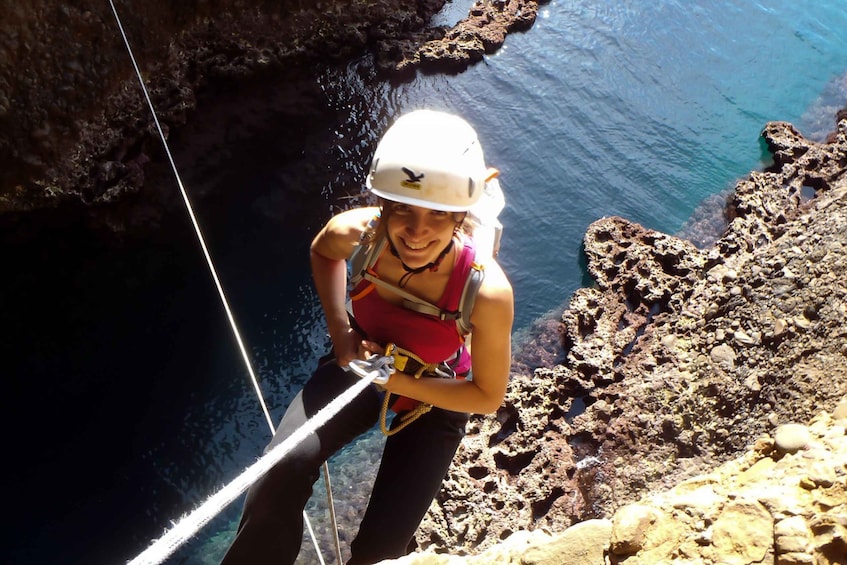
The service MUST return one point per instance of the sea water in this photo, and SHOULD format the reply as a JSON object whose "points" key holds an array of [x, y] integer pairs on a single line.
{"points": [[643, 109]]}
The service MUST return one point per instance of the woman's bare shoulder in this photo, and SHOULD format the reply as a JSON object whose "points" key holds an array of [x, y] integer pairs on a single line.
{"points": [[350, 224], [353, 220], [495, 277], [495, 295], [342, 232]]}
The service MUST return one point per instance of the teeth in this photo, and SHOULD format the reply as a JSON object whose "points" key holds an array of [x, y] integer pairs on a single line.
{"points": [[415, 247]]}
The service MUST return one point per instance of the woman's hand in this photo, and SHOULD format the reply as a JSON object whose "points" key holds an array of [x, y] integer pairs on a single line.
{"points": [[346, 346], [368, 349], [356, 348]]}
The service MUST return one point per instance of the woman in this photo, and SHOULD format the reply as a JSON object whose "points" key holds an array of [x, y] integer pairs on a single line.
{"points": [[428, 172]]}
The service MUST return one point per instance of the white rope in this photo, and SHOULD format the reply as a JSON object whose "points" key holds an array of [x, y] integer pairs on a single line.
{"points": [[189, 525], [219, 287], [314, 538], [332, 520], [196, 226]]}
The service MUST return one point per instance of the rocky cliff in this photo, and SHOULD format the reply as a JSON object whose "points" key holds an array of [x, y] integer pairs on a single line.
{"points": [[75, 131], [783, 501], [678, 360]]}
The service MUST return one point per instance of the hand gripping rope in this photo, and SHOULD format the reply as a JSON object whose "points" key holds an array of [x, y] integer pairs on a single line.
{"points": [[379, 369], [188, 526]]}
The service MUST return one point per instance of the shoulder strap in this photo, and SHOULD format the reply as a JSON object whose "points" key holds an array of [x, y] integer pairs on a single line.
{"points": [[469, 294], [366, 255], [410, 301]]}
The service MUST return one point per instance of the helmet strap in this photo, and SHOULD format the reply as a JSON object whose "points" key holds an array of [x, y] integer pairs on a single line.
{"points": [[410, 272]]}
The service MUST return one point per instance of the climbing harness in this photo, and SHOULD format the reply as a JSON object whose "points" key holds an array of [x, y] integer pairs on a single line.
{"points": [[193, 522], [406, 418], [379, 368], [362, 263]]}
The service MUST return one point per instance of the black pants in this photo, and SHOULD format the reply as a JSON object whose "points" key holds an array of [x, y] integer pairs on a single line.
{"points": [[414, 463]]}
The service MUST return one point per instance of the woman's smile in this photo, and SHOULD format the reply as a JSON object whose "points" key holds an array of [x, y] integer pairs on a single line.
{"points": [[415, 254], [419, 234], [415, 246]]}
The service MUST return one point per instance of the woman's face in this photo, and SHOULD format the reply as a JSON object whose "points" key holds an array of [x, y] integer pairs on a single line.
{"points": [[419, 234]]}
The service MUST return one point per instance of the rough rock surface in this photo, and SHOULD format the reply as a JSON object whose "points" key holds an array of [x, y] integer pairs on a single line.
{"points": [[75, 130], [482, 32], [671, 366], [676, 361], [782, 501]]}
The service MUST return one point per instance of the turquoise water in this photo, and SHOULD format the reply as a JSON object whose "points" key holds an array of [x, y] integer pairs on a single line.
{"points": [[645, 109], [638, 109]]}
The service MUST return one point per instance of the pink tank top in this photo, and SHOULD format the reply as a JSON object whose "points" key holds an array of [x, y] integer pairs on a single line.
{"points": [[430, 338]]}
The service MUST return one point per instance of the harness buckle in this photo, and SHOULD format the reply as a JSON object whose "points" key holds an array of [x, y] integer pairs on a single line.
{"points": [[407, 362]]}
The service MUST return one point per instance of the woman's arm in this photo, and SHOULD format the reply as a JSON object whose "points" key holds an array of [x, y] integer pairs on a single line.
{"points": [[491, 356], [329, 252]]}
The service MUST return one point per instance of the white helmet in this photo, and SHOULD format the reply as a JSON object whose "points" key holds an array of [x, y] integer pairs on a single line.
{"points": [[429, 159]]}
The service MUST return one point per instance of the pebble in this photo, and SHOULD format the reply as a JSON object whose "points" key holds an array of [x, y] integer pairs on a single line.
{"points": [[840, 412], [802, 323], [744, 338], [791, 438], [724, 356]]}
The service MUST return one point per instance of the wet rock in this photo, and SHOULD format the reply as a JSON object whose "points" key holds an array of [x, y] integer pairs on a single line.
{"points": [[482, 32]]}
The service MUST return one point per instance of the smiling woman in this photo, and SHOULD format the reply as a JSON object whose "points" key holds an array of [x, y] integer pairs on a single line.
{"points": [[428, 172], [419, 232], [643, 110]]}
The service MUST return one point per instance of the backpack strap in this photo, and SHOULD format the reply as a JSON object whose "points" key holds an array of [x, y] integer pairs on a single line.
{"points": [[365, 256], [466, 303], [412, 302]]}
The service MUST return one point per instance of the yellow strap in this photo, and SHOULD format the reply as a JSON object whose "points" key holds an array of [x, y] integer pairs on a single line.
{"points": [[406, 419], [401, 360]]}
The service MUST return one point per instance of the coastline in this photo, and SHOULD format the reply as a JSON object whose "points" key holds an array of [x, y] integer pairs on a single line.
{"points": [[616, 337], [682, 357]]}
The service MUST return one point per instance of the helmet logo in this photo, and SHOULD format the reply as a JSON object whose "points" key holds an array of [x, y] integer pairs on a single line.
{"points": [[414, 180]]}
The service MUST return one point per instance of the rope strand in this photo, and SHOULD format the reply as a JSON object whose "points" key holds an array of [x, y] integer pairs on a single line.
{"points": [[220, 289], [196, 225], [191, 524]]}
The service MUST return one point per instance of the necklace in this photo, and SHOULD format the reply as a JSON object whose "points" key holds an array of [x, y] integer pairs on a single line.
{"points": [[410, 272]]}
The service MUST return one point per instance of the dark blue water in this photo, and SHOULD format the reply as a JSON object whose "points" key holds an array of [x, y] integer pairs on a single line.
{"points": [[126, 401]]}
